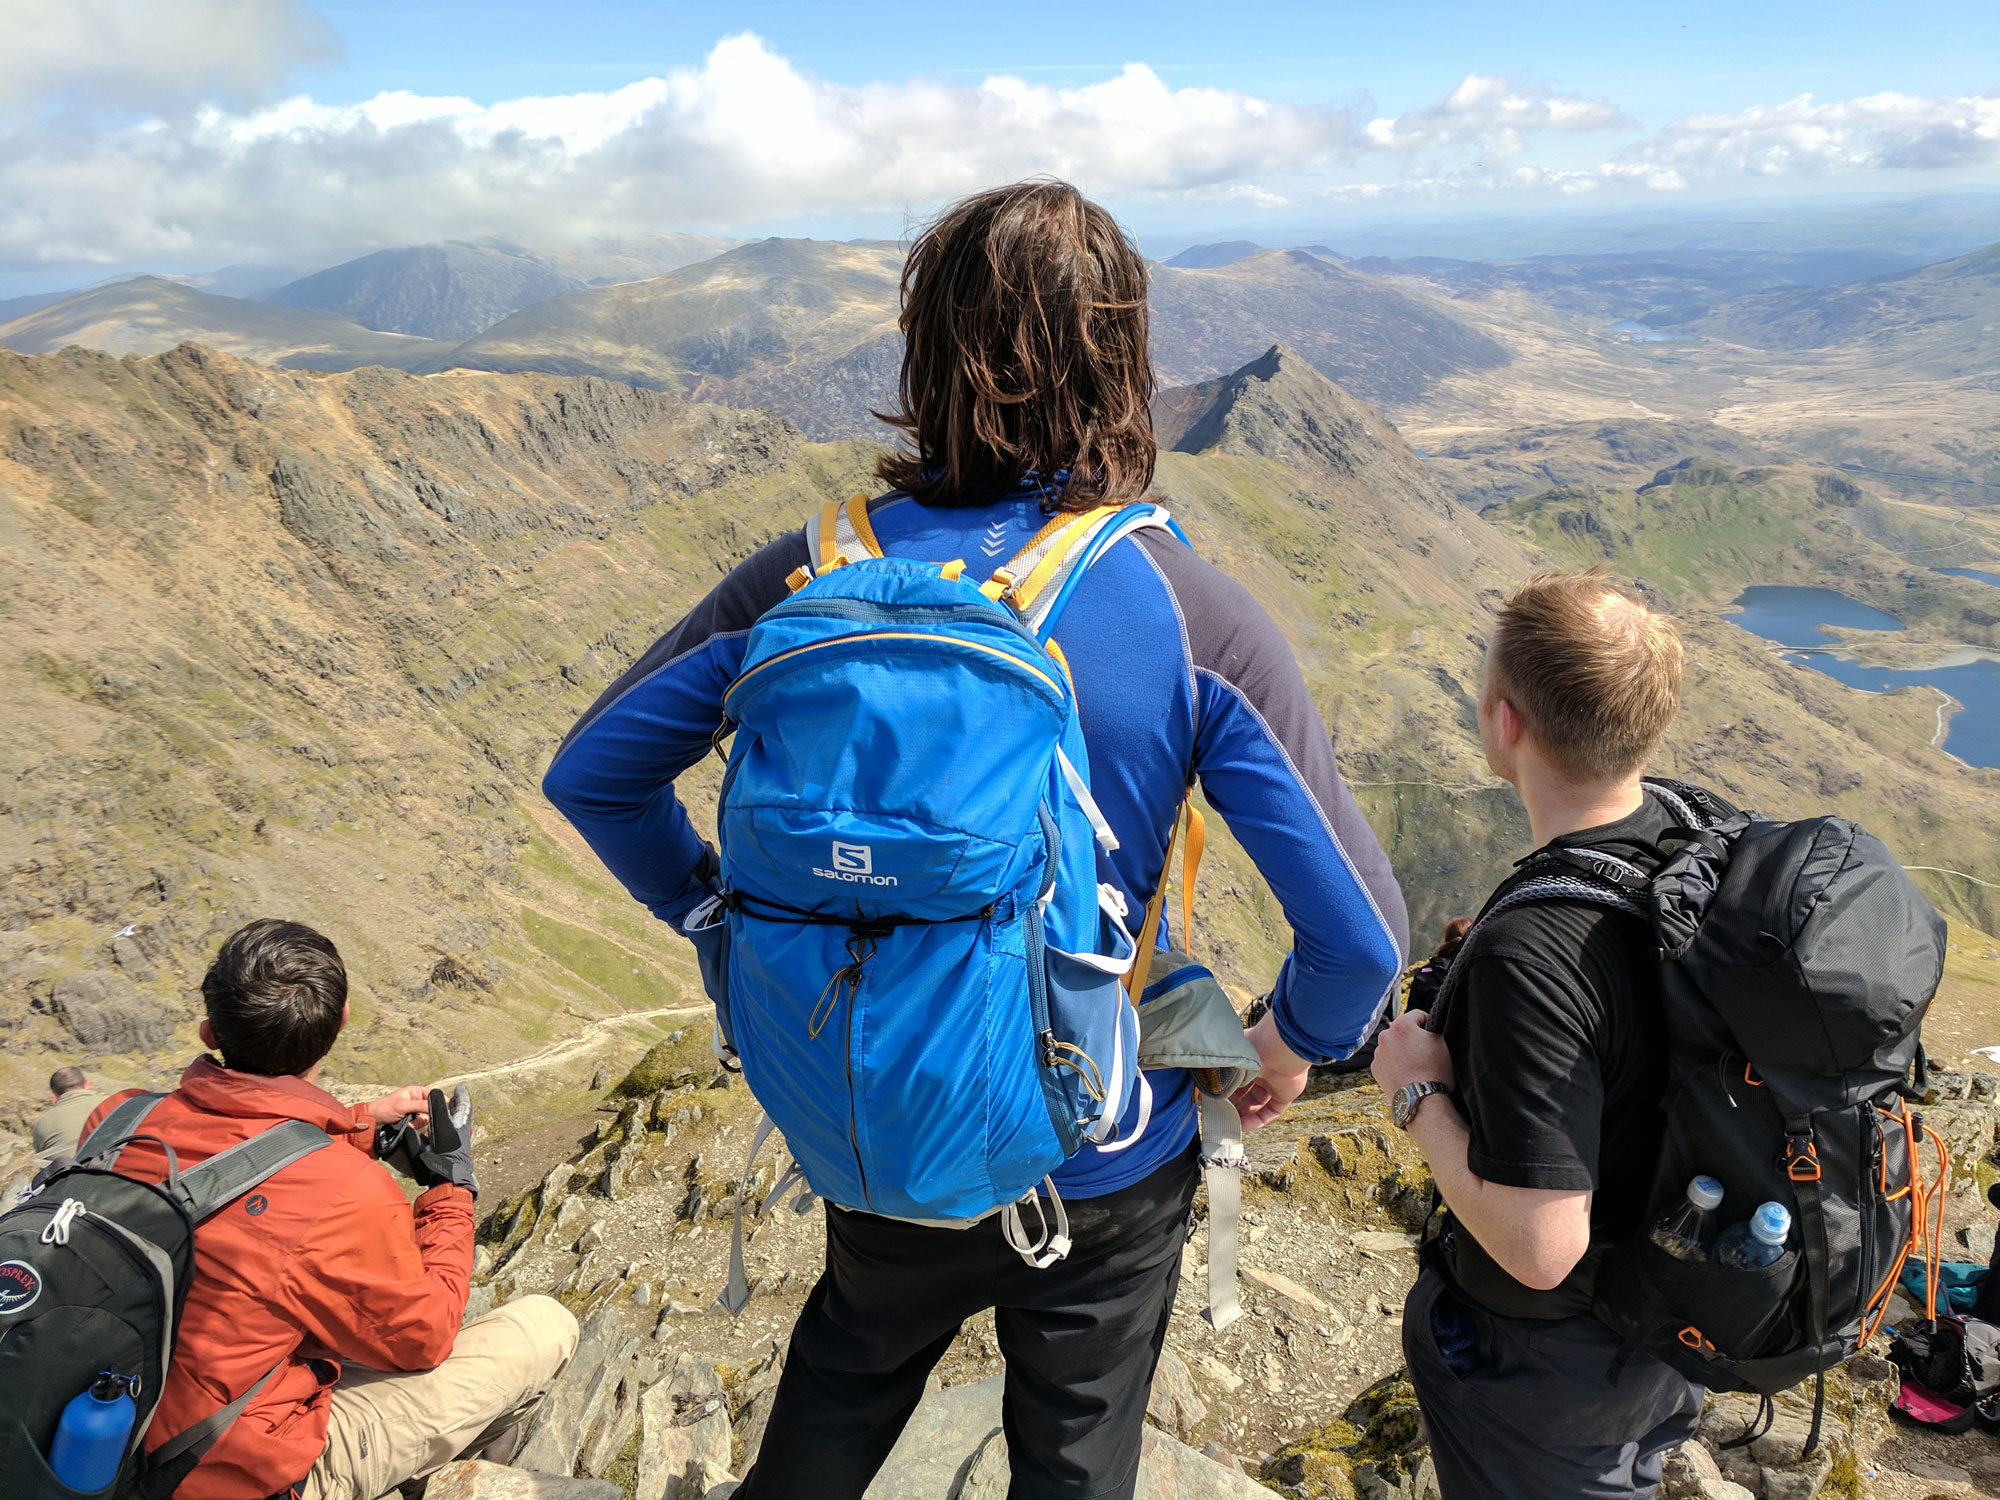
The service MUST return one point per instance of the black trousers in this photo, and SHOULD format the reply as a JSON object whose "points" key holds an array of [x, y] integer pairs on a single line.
{"points": [[1523, 1411], [1080, 1339]]}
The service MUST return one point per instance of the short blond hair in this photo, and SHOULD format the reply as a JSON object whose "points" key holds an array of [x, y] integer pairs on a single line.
{"points": [[1593, 672]]}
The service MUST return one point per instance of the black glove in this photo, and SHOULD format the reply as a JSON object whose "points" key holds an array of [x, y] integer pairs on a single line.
{"points": [[445, 1155]]}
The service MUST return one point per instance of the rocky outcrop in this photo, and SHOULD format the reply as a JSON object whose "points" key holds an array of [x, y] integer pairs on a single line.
{"points": [[108, 1013], [581, 1397], [684, 1434]]}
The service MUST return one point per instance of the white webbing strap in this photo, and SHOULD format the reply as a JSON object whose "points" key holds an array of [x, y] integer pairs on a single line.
{"points": [[736, 1296], [1080, 789], [1138, 1126], [1053, 1242], [1222, 1165]]}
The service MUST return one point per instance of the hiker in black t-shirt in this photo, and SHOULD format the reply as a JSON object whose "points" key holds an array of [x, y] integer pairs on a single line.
{"points": [[1536, 1095]]}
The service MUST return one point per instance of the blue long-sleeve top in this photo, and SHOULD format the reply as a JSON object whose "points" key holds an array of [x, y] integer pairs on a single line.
{"points": [[1179, 675]]}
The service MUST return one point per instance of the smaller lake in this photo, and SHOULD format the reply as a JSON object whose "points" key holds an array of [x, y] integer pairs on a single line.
{"points": [[1639, 333], [1983, 577], [1792, 617]]}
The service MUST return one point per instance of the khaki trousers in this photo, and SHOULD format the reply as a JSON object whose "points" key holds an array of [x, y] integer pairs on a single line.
{"points": [[386, 1428]]}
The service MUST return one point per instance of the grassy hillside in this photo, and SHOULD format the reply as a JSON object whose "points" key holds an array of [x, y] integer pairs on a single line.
{"points": [[149, 315]]}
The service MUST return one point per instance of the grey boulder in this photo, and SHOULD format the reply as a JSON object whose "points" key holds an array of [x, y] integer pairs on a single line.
{"points": [[953, 1450], [472, 1479]]}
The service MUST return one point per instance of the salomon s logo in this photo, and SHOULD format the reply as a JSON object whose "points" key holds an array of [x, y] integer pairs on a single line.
{"points": [[855, 865]]}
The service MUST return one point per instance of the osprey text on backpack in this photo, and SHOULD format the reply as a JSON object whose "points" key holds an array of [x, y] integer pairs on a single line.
{"points": [[919, 952], [94, 1270], [1797, 961]]}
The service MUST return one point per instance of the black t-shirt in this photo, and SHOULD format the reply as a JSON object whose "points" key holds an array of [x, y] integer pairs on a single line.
{"points": [[1558, 1041]]}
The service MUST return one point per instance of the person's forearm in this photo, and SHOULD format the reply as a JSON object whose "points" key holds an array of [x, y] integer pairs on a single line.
{"points": [[1535, 1236]]}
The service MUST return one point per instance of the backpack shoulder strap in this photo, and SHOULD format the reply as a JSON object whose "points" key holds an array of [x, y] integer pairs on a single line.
{"points": [[112, 1131], [228, 1175], [1041, 577], [1545, 880], [167, 1465], [840, 532]]}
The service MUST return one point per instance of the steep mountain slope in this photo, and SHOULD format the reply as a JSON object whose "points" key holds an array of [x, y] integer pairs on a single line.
{"points": [[446, 291], [804, 327], [1378, 342], [149, 315], [302, 644]]}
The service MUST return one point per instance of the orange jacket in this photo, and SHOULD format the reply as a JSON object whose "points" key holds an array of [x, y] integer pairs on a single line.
{"points": [[325, 1262]]}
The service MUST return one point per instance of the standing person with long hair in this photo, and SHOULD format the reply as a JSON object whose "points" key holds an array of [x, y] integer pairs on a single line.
{"points": [[1024, 397]]}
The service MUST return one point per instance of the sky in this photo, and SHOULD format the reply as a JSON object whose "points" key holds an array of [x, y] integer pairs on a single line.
{"points": [[184, 133]]}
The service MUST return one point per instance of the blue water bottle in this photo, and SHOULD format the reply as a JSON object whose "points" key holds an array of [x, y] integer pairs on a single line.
{"points": [[90, 1439]]}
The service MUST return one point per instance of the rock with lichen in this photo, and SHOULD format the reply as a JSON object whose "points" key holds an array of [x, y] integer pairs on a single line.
{"points": [[1376, 1447]]}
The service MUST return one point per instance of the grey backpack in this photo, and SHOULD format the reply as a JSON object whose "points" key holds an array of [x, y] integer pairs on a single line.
{"points": [[94, 1272]]}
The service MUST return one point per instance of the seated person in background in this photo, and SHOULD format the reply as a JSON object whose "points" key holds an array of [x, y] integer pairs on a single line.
{"points": [[1533, 1087], [1421, 983], [57, 1128], [1427, 978], [326, 1270]]}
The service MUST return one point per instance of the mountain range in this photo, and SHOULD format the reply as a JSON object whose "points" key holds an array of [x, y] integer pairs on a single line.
{"points": [[302, 642]]}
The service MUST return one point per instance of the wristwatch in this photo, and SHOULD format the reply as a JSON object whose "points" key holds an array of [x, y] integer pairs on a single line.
{"points": [[1404, 1102]]}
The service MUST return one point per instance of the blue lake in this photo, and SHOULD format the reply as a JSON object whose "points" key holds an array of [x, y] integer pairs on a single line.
{"points": [[1639, 333], [1983, 577], [1792, 617]]}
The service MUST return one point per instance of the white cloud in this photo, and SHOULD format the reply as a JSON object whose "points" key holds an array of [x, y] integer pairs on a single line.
{"points": [[148, 54], [1492, 112], [743, 136], [1805, 137]]}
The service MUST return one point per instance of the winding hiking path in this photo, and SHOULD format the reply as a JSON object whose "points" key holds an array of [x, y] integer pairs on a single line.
{"points": [[571, 1047]]}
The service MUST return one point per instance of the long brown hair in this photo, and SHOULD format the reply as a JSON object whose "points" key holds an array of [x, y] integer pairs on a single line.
{"points": [[1024, 352]]}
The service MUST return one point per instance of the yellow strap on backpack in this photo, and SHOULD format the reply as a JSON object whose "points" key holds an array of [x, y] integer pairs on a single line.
{"points": [[1149, 929], [1069, 532]]}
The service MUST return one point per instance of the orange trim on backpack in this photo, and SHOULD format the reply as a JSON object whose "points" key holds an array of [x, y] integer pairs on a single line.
{"points": [[1801, 1165]]}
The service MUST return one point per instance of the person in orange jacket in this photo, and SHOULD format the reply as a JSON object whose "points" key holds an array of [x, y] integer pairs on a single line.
{"points": [[326, 1266]]}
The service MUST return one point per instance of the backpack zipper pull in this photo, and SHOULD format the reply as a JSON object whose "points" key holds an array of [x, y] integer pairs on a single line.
{"points": [[56, 1231]]}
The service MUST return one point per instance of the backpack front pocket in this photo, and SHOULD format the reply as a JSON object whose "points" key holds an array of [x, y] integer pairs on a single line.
{"points": [[1704, 1308]]}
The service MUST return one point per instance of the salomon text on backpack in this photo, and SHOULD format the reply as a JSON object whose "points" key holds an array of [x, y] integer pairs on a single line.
{"points": [[919, 950], [94, 1270]]}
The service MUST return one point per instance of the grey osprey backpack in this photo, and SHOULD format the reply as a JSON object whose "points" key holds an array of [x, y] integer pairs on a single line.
{"points": [[1797, 961], [94, 1270]]}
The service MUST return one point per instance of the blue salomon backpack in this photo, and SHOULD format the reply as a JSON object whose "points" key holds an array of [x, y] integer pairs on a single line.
{"points": [[919, 954]]}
